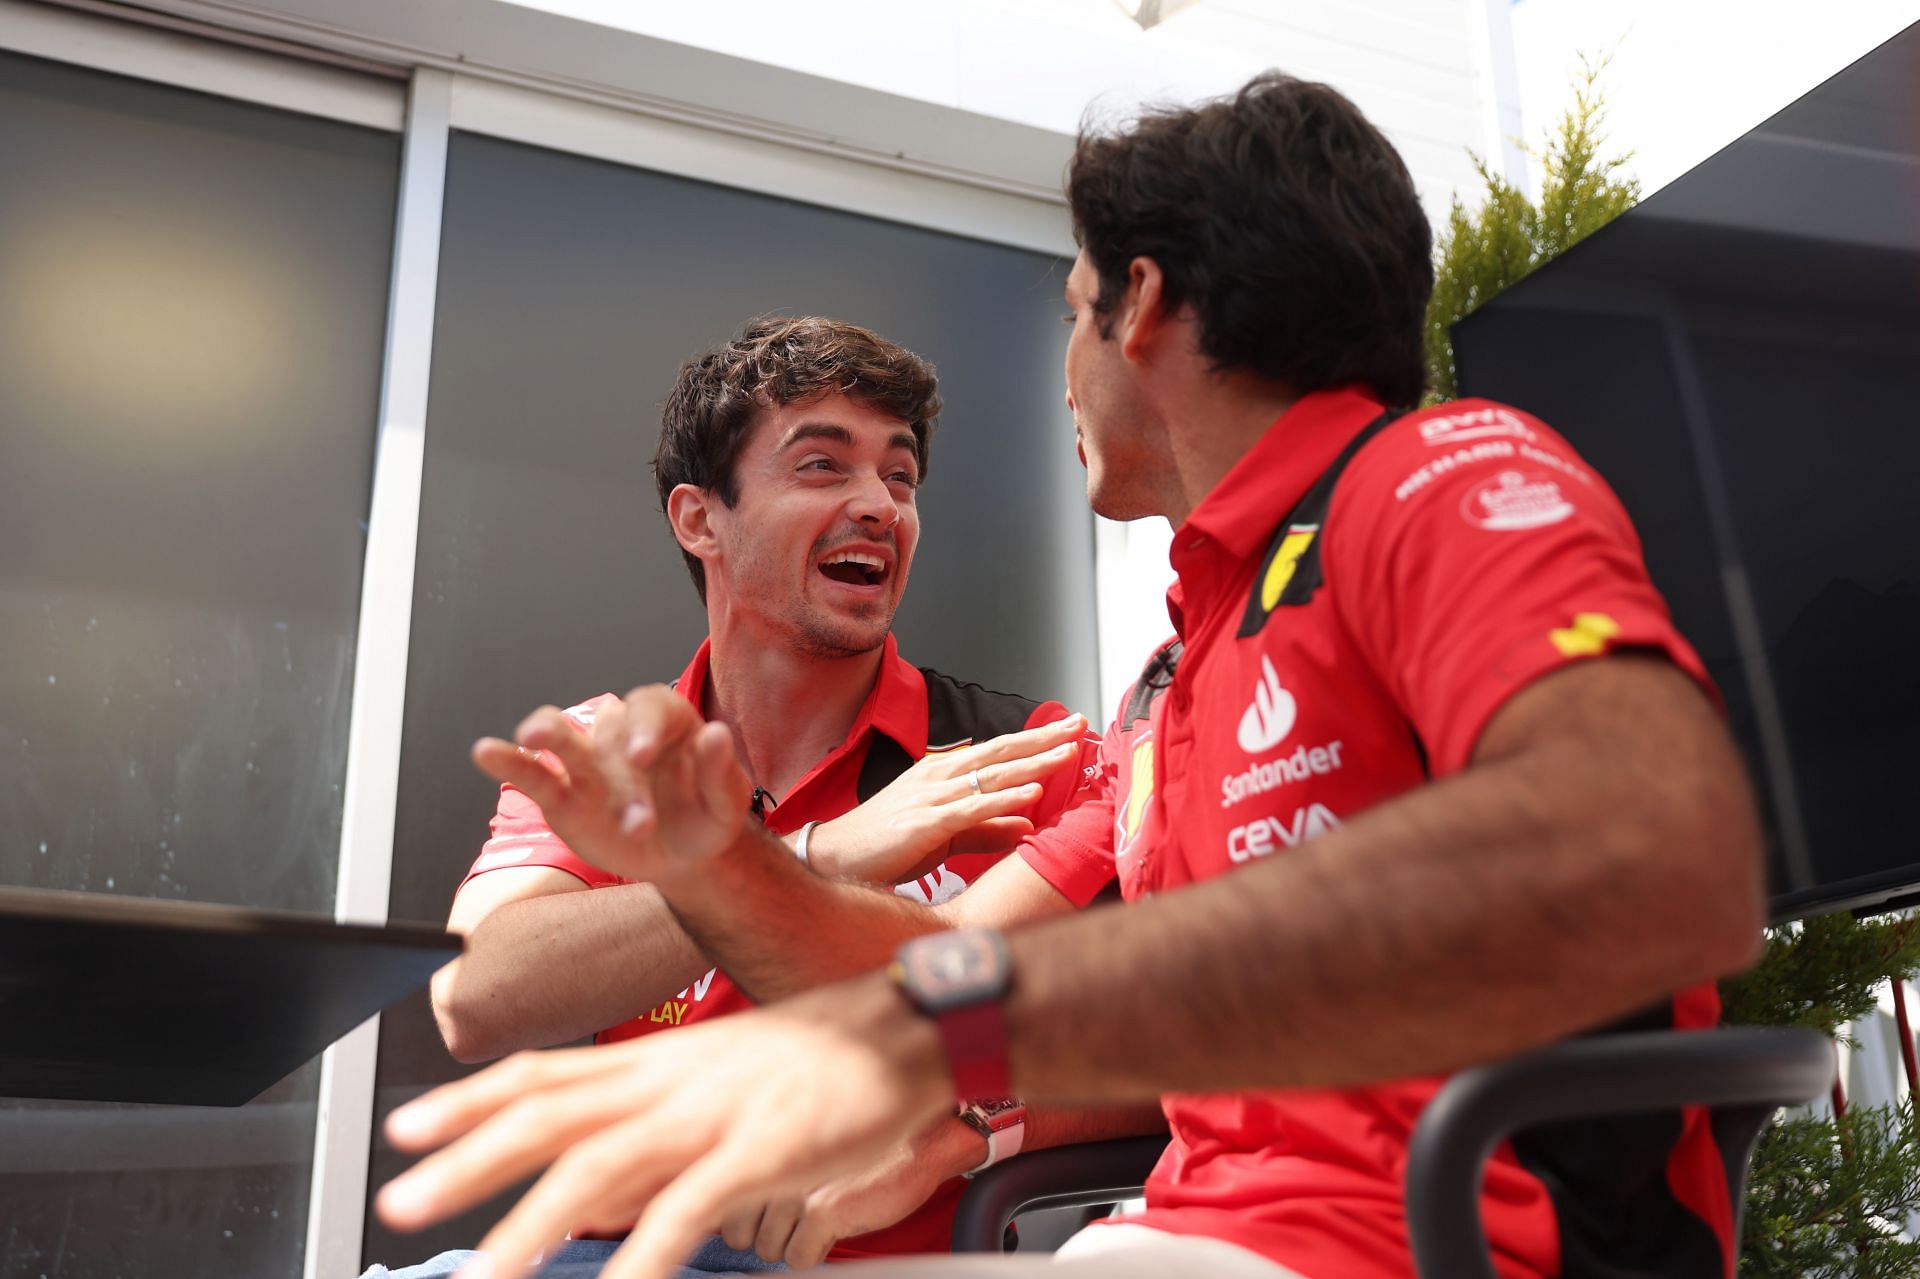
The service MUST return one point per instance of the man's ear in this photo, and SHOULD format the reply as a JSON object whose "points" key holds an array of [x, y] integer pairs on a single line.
{"points": [[689, 515], [1142, 313]]}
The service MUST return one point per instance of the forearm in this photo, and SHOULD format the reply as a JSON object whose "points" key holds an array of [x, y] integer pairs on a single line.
{"points": [[1469, 921], [552, 969], [1050, 1126], [778, 929]]}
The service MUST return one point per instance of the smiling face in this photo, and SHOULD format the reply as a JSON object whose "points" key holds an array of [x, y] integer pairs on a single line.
{"points": [[817, 547]]}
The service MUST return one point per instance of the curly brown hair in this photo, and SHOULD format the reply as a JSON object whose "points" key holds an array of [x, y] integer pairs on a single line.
{"points": [[1283, 218], [779, 360]]}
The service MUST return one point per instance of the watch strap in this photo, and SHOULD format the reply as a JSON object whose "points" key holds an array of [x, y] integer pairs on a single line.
{"points": [[1004, 1127], [958, 979]]}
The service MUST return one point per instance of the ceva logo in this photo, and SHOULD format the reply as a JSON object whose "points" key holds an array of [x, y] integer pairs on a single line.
{"points": [[1269, 719]]}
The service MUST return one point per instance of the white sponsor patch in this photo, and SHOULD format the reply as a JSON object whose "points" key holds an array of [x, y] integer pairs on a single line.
{"points": [[1269, 717], [1305, 762], [937, 886], [1486, 450], [1479, 424], [501, 857], [1516, 500], [1268, 835]]}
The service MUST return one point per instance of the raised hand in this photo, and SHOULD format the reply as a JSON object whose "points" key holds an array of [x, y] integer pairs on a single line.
{"points": [[644, 791], [935, 809], [679, 1132]]}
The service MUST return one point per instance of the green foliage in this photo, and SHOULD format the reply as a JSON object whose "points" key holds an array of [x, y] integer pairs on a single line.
{"points": [[1830, 1200], [1482, 252], [1823, 1198], [1822, 972]]}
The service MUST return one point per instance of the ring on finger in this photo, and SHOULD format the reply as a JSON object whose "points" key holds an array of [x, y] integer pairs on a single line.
{"points": [[973, 779]]}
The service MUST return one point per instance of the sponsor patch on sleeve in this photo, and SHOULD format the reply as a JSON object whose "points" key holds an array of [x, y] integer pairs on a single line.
{"points": [[1514, 501]]}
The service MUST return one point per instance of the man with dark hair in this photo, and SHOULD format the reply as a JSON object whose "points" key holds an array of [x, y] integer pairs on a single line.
{"points": [[1426, 778], [788, 464]]}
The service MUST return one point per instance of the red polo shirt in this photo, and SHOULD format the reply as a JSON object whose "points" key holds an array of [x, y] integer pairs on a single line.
{"points": [[1328, 660], [906, 708]]}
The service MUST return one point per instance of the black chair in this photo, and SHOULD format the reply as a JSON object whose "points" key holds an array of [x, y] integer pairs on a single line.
{"points": [[1743, 1075]]}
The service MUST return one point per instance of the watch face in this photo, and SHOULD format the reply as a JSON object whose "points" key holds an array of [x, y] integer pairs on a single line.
{"points": [[992, 1108], [949, 970]]}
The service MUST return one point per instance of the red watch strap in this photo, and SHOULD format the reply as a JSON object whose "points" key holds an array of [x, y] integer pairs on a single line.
{"points": [[975, 1038]]}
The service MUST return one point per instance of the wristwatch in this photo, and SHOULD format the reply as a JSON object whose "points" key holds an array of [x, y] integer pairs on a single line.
{"points": [[1003, 1122], [959, 978]]}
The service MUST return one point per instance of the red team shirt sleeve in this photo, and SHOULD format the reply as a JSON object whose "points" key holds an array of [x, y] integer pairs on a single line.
{"points": [[1472, 551], [1075, 853], [519, 834]]}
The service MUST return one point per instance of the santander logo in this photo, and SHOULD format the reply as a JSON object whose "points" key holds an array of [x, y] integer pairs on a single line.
{"points": [[1269, 718]]}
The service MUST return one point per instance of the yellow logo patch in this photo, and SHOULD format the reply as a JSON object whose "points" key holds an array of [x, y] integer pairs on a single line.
{"points": [[1139, 790], [1587, 637], [1285, 560]]}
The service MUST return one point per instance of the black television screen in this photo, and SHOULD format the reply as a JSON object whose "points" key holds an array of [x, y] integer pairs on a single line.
{"points": [[1740, 356]]}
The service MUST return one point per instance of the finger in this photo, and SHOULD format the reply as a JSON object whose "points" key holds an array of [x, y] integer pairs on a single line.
{"points": [[1032, 768], [740, 1228], [776, 1228], [988, 804], [657, 718], [1028, 741], [675, 1218], [813, 1239], [540, 776], [552, 733], [724, 785], [451, 1109], [622, 1165], [508, 1147]]}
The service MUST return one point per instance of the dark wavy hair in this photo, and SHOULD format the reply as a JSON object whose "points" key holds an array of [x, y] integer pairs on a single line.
{"points": [[779, 360], [1284, 219]]}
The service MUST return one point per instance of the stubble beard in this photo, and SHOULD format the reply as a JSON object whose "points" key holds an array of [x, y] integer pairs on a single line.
{"points": [[823, 637]]}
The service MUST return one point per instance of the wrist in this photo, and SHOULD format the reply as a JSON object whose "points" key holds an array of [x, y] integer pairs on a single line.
{"points": [[720, 876], [823, 858], [881, 1016], [954, 1147], [958, 981]]}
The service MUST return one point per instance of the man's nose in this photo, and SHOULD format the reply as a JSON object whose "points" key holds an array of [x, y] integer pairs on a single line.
{"points": [[872, 503]]}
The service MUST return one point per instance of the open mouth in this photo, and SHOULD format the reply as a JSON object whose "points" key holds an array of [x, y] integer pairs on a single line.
{"points": [[856, 568]]}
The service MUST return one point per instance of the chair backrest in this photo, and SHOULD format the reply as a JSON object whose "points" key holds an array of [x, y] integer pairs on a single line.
{"points": [[1744, 1075], [1094, 1172]]}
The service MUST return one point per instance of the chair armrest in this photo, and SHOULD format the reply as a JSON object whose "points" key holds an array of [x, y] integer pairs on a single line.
{"points": [[1602, 1075], [1093, 1172]]}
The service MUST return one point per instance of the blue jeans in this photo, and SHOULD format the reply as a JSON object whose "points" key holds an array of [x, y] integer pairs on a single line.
{"points": [[582, 1259]]}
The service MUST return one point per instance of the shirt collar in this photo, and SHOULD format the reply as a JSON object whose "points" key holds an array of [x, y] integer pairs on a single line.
{"points": [[897, 706], [1242, 510]]}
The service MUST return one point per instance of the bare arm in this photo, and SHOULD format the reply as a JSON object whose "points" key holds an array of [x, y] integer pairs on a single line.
{"points": [[1600, 853], [548, 961], [779, 930]]}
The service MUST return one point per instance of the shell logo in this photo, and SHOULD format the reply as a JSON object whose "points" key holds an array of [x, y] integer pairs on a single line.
{"points": [[1139, 792]]}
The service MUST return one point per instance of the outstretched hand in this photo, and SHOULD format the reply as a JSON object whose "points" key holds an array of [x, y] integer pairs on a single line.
{"points": [[935, 809], [679, 1133], [643, 791]]}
